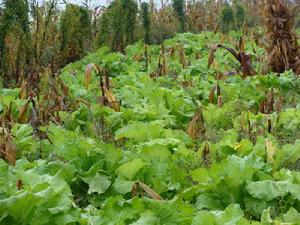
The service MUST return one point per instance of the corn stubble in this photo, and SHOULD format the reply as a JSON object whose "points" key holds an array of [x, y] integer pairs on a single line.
{"points": [[283, 50]]}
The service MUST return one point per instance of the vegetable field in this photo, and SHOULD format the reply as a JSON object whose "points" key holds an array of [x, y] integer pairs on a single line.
{"points": [[178, 133]]}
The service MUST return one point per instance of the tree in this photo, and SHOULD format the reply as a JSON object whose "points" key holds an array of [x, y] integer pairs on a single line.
{"points": [[130, 8], [75, 33], [117, 24], [146, 21], [178, 6], [15, 41], [227, 18], [117, 27], [240, 16], [44, 32]]}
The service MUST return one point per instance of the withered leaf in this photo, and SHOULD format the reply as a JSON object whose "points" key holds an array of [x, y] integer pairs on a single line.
{"points": [[112, 100], [271, 150], [212, 94], [147, 189], [196, 127], [211, 56], [88, 72], [22, 118]]}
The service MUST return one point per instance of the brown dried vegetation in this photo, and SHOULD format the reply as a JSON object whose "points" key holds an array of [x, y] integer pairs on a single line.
{"points": [[7, 148], [107, 98], [150, 192], [197, 127], [239, 54], [283, 50]]}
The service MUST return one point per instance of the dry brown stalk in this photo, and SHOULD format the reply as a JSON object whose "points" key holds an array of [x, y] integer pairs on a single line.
{"points": [[283, 50]]}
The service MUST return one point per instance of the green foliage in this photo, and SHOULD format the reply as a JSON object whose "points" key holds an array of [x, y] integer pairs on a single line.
{"points": [[75, 31], [239, 172], [233, 17], [240, 16], [14, 41], [117, 24], [227, 18], [131, 9], [146, 21], [45, 35], [178, 6]]}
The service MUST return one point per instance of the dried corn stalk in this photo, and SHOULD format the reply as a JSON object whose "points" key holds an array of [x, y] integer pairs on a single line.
{"points": [[162, 64], [283, 50], [215, 90], [107, 98], [182, 57], [88, 72], [267, 106], [196, 127], [22, 118], [211, 56], [206, 155], [7, 148], [238, 53], [146, 189]]}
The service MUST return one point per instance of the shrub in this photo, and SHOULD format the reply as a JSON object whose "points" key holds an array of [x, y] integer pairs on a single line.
{"points": [[117, 24], [240, 16], [227, 18], [178, 6], [75, 32], [15, 49], [146, 21]]}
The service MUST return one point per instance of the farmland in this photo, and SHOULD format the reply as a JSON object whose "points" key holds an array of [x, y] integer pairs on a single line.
{"points": [[166, 112], [154, 137]]}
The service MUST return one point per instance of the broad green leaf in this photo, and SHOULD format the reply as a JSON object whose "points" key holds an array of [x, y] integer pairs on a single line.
{"points": [[155, 152], [204, 218], [146, 219], [141, 132], [112, 156], [200, 175], [231, 216], [99, 184], [59, 204], [122, 186], [22, 206], [268, 190], [294, 189], [292, 216], [207, 201], [255, 206], [266, 217], [130, 169]]}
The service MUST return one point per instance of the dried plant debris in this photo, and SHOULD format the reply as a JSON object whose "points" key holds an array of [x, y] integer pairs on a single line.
{"points": [[8, 150], [150, 192], [239, 54], [196, 128], [283, 50]]}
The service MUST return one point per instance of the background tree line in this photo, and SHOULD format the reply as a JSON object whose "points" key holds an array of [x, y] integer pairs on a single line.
{"points": [[35, 37]]}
